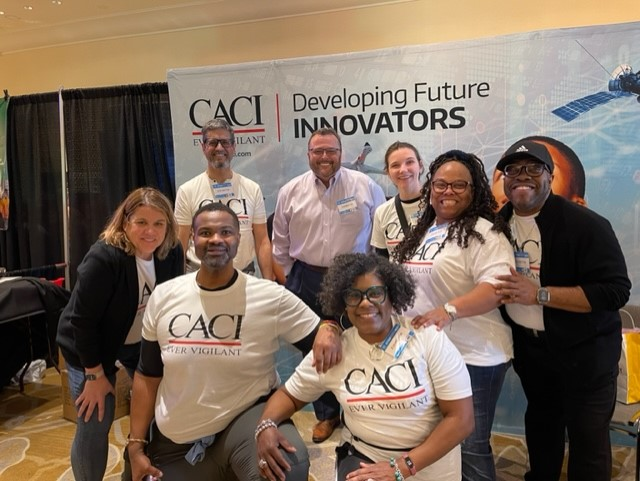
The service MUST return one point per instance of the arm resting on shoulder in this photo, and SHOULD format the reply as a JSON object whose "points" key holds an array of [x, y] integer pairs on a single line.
{"points": [[326, 344]]}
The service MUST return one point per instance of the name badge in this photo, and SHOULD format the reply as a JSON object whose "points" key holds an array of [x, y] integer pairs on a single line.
{"points": [[522, 262], [222, 191], [347, 205]]}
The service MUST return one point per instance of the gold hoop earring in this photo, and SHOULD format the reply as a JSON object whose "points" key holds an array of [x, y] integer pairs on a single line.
{"points": [[341, 321]]}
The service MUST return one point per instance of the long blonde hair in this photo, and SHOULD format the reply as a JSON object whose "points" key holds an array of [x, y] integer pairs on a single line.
{"points": [[114, 234]]}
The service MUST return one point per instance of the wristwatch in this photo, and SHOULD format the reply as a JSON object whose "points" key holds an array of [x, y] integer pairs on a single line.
{"points": [[451, 311], [542, 296], [92, 376]]}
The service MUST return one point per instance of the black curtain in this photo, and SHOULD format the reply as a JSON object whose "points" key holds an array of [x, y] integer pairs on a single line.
{"points": [[117, 139], [34, 237]]}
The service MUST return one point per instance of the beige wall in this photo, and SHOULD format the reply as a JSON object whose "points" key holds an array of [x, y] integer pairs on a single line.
{"points": [[147, 58]]}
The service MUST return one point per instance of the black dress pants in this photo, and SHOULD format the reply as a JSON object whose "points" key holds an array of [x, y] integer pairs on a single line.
{"points": [[559, 406], [305, 283]]}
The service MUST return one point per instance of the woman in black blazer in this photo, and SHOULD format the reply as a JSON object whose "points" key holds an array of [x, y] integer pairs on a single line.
{"points": [[137, 250]]}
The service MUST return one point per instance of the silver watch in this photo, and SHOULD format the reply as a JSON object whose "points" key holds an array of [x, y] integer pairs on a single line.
{"points": [[451, 311], [542, 296]]}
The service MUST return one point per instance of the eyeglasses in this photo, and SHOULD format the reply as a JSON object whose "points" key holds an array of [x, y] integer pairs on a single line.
{"points": [[533, 170], [213, 143], [321, 152], [375, 294], [458, 186]]}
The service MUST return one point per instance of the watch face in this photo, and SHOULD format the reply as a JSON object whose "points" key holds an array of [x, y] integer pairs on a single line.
{"points": [[90, 377], [451, 310], [542, 295]]}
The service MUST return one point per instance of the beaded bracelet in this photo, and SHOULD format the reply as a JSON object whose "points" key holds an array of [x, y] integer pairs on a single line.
{"points": [[397, 473], [136, 440], [331, 324], [410, 464], [265, 424]]}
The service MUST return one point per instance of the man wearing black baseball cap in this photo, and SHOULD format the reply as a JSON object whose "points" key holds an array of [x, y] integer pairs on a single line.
{"points": [[523, 150], [562, 302]]}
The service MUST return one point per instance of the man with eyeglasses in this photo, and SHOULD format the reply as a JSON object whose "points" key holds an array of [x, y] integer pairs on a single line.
{"points": [[219, 183], [568, 173], [322, 213], [562, 302]]}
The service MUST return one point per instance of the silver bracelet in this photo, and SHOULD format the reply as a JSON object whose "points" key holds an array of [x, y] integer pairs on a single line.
{"points": [[265, 424]]}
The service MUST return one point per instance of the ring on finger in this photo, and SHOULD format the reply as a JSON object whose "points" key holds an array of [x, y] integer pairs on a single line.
{"points": [[262, 463]]}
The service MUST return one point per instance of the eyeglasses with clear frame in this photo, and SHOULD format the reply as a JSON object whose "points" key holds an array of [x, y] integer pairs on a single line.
{"points": [[321, 152], [213, 143], [532, 170], [458, 186], [375, 294]]}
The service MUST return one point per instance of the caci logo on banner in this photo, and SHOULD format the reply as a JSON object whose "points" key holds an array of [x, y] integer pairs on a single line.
{"points": [[574, 85]]}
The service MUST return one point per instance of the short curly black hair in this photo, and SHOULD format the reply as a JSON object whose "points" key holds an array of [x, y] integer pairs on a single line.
{"points": [[346, 267]]}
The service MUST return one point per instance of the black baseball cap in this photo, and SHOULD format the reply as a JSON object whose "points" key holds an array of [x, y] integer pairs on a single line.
{"points": [[524, 149]]}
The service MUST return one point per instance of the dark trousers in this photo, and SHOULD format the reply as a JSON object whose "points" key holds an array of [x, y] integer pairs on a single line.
{"points": [[558, 404], [305, 282]]}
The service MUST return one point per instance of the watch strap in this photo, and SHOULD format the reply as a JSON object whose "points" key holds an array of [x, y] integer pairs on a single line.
{"points": [[93, 376], [409, 462]]}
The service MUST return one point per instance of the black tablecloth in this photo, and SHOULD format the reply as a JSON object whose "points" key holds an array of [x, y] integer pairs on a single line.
{"points": [[29, 312]]}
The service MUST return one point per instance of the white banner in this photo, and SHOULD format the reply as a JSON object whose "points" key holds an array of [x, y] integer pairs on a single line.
{"points": [[574, 85]]}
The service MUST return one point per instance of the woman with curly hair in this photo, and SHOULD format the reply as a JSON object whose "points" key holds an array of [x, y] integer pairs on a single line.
{"points": [[455, 252], [405, 394], [102, 322]]}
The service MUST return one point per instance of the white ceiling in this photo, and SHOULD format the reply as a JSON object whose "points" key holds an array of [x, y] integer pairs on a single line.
{"points": [[61, 22]]}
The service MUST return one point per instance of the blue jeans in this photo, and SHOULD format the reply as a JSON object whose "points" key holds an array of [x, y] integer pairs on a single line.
{"points": [[90, 447], [477, 456]]}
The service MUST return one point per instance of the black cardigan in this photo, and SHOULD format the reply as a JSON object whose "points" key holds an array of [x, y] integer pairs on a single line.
{"points": [[580, 248], [103, 304]]}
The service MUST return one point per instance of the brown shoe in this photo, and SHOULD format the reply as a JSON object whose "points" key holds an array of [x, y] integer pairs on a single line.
{"points": [[323, 429]]}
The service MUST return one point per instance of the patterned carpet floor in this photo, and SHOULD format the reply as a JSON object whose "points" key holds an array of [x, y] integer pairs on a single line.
{"points": [[35, 441]]}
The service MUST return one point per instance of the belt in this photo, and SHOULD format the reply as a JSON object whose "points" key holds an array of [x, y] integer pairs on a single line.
{"points": [[535, 333], [320, 269]]}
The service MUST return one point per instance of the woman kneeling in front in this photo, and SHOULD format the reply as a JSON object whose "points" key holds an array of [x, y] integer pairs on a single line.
{"points": [[405, 394]]}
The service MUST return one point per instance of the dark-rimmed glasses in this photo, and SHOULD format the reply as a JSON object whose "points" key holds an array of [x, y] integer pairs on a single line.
{"points": [[321, 152], [458, 186], [375, 294], [532, 170], [213, 143]]}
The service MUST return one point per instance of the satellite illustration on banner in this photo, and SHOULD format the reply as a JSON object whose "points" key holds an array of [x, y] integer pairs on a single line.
{"points": [[623, 83]]}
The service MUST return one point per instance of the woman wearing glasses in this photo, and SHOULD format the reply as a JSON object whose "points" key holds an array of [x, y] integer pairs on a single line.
{"points": [[455, 252], [405, 394]]}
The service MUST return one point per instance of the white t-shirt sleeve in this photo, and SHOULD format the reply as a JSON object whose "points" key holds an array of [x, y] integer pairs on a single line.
{"points": [[491, 259], [446, 367], [377, 234], [182, 211], [304, 384], [296, 320]]}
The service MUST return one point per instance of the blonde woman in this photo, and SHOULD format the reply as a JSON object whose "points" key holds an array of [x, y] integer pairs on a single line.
{"points": [[102, 323]]}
